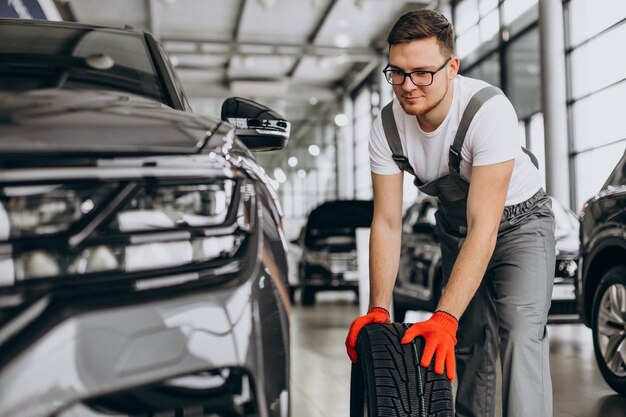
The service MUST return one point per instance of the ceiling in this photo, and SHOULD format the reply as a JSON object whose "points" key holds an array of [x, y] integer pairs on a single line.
{"points": [[298, 56]]}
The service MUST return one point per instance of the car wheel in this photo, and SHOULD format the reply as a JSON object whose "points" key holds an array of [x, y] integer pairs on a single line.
{"points": [[307, 296], [387, 379], [608, 327]]}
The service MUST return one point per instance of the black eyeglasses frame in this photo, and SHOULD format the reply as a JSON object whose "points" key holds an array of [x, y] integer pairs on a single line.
{"points": [[408, 74]]}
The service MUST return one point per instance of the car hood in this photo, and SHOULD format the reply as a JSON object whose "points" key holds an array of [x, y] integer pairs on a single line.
{"points": [[61, 121]]}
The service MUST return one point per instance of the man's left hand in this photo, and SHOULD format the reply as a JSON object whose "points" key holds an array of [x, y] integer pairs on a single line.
{"points": [[439, 333]]}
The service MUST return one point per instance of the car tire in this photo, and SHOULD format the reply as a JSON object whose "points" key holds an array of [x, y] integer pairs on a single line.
{"points": [[608, 324], [307, 296], [387, 380]]}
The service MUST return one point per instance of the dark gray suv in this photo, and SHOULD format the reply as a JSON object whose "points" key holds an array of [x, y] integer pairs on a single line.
{"points": [[601, 281], [142, 258]]}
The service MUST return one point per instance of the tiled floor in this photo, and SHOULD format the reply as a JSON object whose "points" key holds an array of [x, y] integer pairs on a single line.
{"points": [[320, 369]]}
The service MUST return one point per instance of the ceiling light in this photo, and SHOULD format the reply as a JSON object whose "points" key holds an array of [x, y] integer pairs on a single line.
{"points": [[375, 99], [249, 62], [301, 173], [314, 150], [342, 40], [293, 161], [341, 120], [313, 100], [280, 176], [341, 59], [275, 184]]}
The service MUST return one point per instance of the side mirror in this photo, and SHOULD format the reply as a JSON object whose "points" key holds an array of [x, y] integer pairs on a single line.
{"points": [[259, 127]]}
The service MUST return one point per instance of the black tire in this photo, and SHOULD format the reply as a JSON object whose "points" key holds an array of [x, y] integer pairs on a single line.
{"points": [[387, 380], [609, 321], [307, 296]]}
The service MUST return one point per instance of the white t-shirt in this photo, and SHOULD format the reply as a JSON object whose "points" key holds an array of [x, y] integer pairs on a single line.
{"points": [[492, 137]]}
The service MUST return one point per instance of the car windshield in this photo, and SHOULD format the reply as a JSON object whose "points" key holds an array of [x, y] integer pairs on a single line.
{"points": [[47, 56], [338, 218]]}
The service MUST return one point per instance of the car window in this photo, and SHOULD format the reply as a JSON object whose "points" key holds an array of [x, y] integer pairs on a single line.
{"points": [[174, 77], [34, 57]]}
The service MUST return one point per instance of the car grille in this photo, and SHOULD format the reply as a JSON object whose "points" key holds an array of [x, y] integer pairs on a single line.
{"points": [[335, 262]]}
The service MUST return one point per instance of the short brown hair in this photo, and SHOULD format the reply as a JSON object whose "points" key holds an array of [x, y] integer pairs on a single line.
{"points": [[422, 24]]}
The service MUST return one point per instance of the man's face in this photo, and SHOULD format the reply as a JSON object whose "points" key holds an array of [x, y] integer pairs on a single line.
{"points": [[422, 54]]}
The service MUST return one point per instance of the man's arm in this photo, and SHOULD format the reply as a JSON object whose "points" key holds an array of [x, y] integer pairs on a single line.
{"points": [[385, 237], [489, 185]]}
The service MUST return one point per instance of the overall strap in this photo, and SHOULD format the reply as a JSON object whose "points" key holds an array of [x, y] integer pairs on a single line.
{"points": [[393, 139], [475, 103]]}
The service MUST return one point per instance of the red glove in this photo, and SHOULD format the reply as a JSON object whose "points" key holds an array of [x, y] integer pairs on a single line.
{"points": [[375, 315], [439, 333]]}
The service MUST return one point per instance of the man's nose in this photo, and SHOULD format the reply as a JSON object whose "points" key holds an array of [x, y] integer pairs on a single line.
{"points": [[407, 84]]}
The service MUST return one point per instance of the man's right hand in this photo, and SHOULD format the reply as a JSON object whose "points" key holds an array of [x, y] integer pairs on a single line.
{"points": [[375, 315]]}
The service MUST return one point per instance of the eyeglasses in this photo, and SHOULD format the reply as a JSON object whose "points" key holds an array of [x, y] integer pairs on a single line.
{"points": [[420, 78]]}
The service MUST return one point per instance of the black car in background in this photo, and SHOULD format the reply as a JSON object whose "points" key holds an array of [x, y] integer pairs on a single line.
{"points": [[419, 281], [601, 282], [142, 257], [328, 241]]}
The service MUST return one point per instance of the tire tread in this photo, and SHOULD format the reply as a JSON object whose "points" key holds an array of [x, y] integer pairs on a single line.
{"points": [[394, 383]]}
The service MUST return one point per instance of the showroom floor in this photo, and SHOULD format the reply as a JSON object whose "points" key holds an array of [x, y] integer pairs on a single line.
{"points": [[320, 369]]}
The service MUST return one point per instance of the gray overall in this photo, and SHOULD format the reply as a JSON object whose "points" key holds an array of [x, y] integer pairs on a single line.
{"points": [[509, 310]]}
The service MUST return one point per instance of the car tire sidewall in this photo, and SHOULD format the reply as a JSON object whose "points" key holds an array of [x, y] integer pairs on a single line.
{"points": [[615, 275]]}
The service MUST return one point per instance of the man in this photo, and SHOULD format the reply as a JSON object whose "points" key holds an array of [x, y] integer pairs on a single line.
{"points": [[459, 137]]}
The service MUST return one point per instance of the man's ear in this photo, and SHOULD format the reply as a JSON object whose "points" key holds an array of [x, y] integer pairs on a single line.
{"points": [[455, 64]]}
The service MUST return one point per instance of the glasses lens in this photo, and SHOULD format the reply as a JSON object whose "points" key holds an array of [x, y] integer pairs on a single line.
{"points": [[394, 77], [422, 78]]}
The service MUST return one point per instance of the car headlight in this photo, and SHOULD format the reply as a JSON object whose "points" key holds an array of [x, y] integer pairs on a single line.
{"points": [[46, 209], [159, 226], [317, 257], [566, 268]]}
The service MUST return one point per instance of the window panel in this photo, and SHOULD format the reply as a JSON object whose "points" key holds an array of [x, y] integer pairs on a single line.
{"points": [[488, 70], [485, 6], [362, 126], [465, 15], [523, 74], [489, 26], [468, 42], [512, 9], [595, 126], [599, 63], [590, 17], [593, 169]]}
